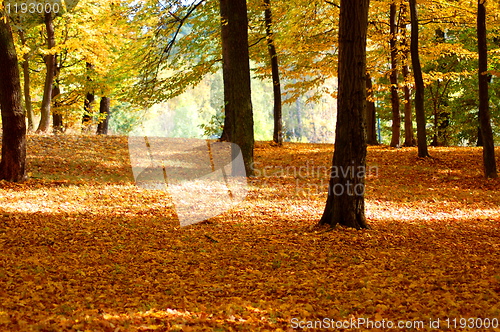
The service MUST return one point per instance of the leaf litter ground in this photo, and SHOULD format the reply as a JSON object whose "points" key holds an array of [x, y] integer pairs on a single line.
{"points": [[84, 249]]}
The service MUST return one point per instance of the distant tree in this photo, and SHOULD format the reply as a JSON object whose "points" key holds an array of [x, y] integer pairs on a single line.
{"points": [[396, 114], [238, 121], [419, 83], [13, 162], [50, 63], [27, 82], [409, 135], [490, 169], [371, 132], [277, 110], [345, 204]]}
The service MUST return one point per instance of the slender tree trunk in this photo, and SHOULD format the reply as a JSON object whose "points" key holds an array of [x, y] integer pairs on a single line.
{"points": [[50, 60], [57, 118], [435, 115], [408, 124], [87, 111], [396, 114], [371, 130], [238, 123], [89, 100], [102, 127], [13, 162], [278, 119], [490, 168], [345, 204], [419, 83], [300, 130], [479, 137], [27, 82]]}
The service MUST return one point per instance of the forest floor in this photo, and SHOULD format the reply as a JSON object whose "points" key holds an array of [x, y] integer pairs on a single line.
{"points": [[84, 249]]}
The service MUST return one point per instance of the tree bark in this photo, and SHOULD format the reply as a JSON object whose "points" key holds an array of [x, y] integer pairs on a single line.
{"points": [[50, 64], [371, 130], [277, 110], [238, 123], [345, 204], [489, 163], [102, 127], [27, 82], [396, 115], [13, 162], [419, 83]]}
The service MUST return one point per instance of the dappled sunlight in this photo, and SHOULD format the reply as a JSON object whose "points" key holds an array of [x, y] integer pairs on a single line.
{"points": [[108, 255]]}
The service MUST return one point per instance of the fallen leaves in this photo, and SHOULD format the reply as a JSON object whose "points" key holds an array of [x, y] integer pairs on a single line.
{"points": [[84, 249]]}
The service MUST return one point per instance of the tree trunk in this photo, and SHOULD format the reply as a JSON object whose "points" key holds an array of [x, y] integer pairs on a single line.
{"points": [[102, 127], [345, 204], [490, 168], [27, 81], [57, 118], [299, 132], [278, 119], [396, 115], [238, 123], [13, 162], [87, 111], [408, 124], [371, 130], [419, 83], [50, 64], [479, 137]]}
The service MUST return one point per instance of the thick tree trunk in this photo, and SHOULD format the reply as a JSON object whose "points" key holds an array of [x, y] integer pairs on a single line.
{"points": [[490, 168], [27, 81], [345, 204], [102, 127], [13, 162], [371, 130], [238, 123], [419, 83], [50, 63], [396, 114], [278, 119]]}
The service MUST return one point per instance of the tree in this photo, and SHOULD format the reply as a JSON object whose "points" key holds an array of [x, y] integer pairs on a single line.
{"points": [[345, 204], [409, 137], [13, 162], [50, 63], [27, 82], [396, 114], [238, 123], [419, 83], [278, 121], [371, 132], [490, 169]]}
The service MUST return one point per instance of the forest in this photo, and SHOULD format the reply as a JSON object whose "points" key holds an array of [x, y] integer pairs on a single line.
{"points": [[249, 165]]}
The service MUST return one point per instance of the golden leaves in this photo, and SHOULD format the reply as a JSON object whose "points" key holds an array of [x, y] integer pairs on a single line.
{"points": [[114, 259]]}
